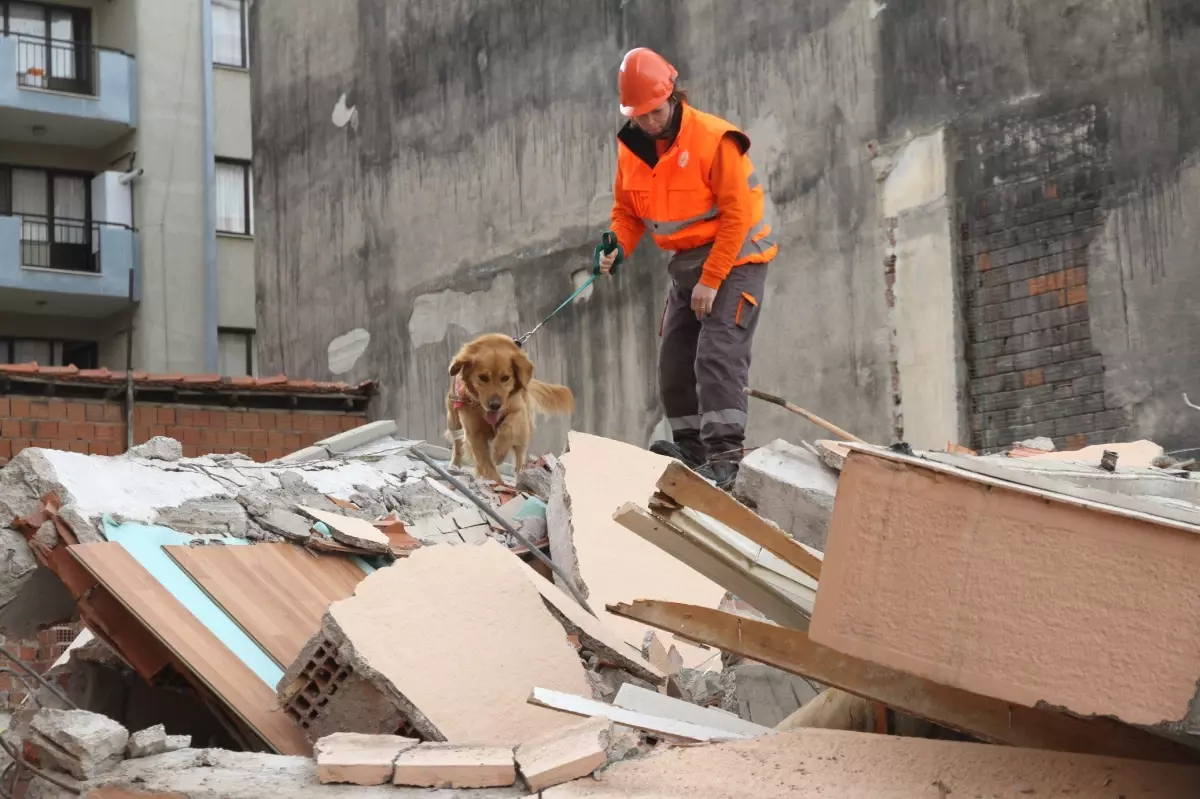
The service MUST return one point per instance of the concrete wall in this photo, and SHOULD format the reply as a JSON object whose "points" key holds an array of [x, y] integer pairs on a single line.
{"points": [[474, 175]]}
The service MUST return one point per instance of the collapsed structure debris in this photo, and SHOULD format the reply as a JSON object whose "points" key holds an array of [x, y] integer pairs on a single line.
{"points": [[350, 618]]}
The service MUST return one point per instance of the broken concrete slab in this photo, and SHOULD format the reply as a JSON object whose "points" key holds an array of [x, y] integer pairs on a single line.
{"points": [[287, 524], [791, 487], [566, 754], [358, 437], [848, 765], [445, 765], [159, 448], [147, 742], [358, 759], [763, 694], [306, 455], [611, 563], [77, 742], [351, 531], [446, 640], [221, 774]]}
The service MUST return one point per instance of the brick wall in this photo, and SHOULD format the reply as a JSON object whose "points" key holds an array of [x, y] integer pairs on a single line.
{"points": [[39, 653], [1031, 203], [97, 427]]}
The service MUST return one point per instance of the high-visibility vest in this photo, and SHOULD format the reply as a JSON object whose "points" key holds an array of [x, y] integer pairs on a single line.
{"points": [[671, 192]]}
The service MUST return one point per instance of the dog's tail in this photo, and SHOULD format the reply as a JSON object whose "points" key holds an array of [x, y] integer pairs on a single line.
{"points": [[551, 397]]}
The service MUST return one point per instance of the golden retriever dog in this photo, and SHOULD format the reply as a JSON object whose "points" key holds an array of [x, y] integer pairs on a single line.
{"points": [[491, 401]]}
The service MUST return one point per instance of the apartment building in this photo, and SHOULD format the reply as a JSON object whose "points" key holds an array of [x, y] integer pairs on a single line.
{"points": [[125, 185]]}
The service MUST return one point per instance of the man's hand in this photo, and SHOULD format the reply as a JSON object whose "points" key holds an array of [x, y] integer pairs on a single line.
{"points": [[606, 261], [702, 300]]}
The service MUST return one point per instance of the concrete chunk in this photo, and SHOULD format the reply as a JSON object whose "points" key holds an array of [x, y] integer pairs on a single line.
{"points": [[358, 759], [439, 765], [158, 448], [80, 743], [147, 742], [305, 455], [352, 439], [351, 531], [564, 755], [791, 487], [287, 524]]}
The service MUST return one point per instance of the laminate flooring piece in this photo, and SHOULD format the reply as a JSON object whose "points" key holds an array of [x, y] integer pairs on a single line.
{"points": [[277, 593], [195, 646]]}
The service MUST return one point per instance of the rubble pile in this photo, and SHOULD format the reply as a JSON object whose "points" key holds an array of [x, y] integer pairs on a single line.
{"points": [[849, 620]]}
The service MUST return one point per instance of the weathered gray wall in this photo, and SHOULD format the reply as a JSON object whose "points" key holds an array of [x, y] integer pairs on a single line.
{"points": [[475, 172]]}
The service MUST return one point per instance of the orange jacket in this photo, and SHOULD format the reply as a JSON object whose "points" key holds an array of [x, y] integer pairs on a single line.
{"points": [[698, 191]]}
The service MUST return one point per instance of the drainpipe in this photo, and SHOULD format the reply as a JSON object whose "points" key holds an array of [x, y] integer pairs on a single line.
{"points": [[210, 181]]}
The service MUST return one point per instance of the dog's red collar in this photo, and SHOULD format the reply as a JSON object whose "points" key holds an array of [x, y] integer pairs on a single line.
{"points": [[458, 394]]}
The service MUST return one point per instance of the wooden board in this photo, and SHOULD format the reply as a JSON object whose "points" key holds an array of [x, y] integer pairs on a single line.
{"points": [[987, 718], [277, 593], [211, 661]]}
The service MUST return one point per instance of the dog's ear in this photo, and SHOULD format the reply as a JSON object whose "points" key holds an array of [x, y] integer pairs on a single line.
{"points": [[522, 369], [462, 363]]}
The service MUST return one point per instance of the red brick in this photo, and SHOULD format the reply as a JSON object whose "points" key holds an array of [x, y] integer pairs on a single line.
{"points": [[1032, 378], [79, 446], [291, 442], [190, 436], [183, 417], [67, 431], [107, 432], [142, 415], [218, 420], [274, 452], [19, 444], [259, 438], [5, 408], [243, 438], [27, 428], [85, 431], [46, 430], [984, 262], [259, 455], [166, 416], [42, 443], [1077, 441], [5, 448], [225, 439], [39, 410], [308, 439], [114, 412], [1051, 191], [58, 409], [191, 451], [10, 428], [234, 420], [95, 412], [76, 412], [201, 418], [208, 437], [20, 407], [1077, 295], [350, 422], [275, 439], [253, 420], [158, 430]]}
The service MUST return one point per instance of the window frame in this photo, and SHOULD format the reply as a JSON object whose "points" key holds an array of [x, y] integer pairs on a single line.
{"points": [[248, 334], [8, 348], [85, 46], [244, 39], [88, 222], [247, 203]]}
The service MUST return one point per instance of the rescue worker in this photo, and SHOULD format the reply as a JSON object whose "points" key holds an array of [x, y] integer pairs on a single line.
{"points": [[685, 175]]}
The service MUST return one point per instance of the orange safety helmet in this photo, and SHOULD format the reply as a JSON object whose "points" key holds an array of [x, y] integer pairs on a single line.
{"points": [[646, 81]]}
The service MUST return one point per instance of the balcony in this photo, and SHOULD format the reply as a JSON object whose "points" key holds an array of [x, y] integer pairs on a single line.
{"points": [[66, 267], [65, 93]]}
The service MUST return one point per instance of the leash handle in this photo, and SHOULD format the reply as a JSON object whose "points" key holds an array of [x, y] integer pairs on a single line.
{"points": [[608, 243]]}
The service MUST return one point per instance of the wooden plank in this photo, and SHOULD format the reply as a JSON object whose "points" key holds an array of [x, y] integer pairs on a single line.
{"points": [[277, 593], [991, 719], [205, 655], [579, 706], [693, 491], [653, 703], [765, 598]]}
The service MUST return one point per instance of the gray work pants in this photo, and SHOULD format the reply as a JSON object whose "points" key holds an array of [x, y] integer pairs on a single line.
{"points": [[704, 365]]}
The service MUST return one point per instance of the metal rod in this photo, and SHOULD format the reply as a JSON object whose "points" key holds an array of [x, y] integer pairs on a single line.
{"points": [[45, 683], [796, 409], [508, 528], [16, 756], [129, 368]]}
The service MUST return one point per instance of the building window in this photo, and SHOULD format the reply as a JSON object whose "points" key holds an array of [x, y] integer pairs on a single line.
{"points": [[229, 33], [50, 352], [53, 47], [55, 209], [236, 352], [235, 214]]}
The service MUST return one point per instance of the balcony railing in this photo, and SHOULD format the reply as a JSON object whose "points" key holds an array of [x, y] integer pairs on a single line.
{"points": [[63, 244], [57, 65]]}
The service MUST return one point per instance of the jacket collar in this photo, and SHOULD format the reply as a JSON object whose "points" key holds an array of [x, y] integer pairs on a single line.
{"points": [[645, 147]]}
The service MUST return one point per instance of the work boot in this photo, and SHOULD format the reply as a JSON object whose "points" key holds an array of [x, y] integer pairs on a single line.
{"points": [[690, 452], [721, 472]]}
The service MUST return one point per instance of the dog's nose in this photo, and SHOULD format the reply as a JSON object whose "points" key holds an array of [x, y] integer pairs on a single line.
{"points": [[494, 404]]}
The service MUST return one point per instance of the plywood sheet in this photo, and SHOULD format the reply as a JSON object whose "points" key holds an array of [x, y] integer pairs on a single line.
{"points": [[277, 593], [616, 564], [462, 633], [196, 647]]}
